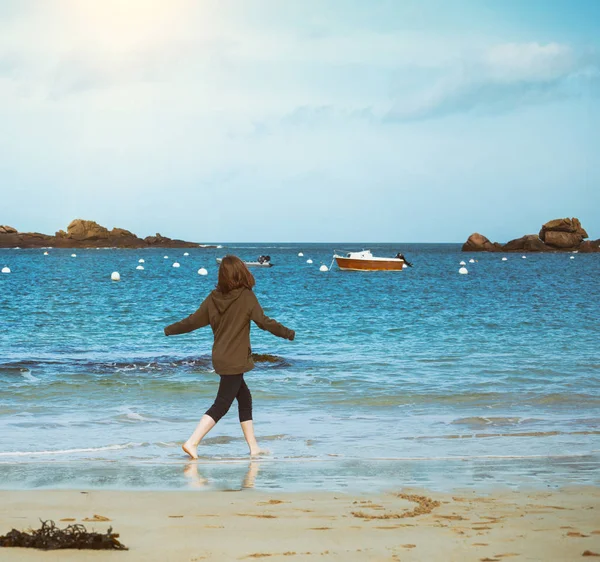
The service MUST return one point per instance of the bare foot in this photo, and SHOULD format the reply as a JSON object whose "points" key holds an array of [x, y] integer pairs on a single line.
{"points": [[190, 449], [259, 452]]}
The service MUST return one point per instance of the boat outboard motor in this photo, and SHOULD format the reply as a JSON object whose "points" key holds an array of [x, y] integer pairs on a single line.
{"points": [[401, 257]]}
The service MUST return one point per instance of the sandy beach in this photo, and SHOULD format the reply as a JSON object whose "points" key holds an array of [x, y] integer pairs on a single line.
{"points": [[406, 525]]}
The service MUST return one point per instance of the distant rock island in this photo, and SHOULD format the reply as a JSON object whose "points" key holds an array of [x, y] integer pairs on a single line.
{"points": [[88, 234], [558, 235]]}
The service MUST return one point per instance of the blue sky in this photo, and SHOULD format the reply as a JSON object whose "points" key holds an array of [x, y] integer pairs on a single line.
{"points": [[321, 120]]}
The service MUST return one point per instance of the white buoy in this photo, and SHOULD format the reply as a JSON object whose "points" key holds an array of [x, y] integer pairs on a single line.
{"points": [[141, 261], [572, 257], [471, 260], [462, 263], [202, 271], [45, 253], [115, 276], [166, 257], [524, 257], [300, 255], [186, 254], [463, 271], [140, 267], [5, 270], [176, 264], [309, 261], [73, 255], [323, 268], [504, 259]]}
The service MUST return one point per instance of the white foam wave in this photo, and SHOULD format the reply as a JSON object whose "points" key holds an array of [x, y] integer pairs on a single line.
{"points": [[135, 416], [130, 414], [128, 368], [70, 451], [28, 376]]}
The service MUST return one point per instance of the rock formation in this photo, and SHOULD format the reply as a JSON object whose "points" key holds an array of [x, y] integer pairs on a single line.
{"points": [[479, 243], [87, 234], [559, 235], [527, 243]]}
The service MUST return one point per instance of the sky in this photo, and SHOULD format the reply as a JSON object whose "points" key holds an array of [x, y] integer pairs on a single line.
{"points": [[289, 120]]}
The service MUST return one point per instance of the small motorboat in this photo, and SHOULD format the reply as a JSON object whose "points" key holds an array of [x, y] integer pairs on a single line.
{"points": [[366, 261], [262, 261]]}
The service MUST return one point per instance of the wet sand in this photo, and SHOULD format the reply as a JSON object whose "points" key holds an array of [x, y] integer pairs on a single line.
{"points": [[405, 525]]}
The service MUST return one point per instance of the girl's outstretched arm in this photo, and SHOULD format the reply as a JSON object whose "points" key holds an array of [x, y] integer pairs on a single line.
{"points": [[266, 323], [194, 321]]}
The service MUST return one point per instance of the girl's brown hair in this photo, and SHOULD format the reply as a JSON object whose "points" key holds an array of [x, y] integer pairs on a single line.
{"points": [[234, 274]]}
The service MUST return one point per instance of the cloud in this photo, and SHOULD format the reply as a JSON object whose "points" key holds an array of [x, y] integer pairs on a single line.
{"points": [[498, 79], [501, 79], [187, 56], [9, 64], [529, 62], [70, 48], [325, 114]]}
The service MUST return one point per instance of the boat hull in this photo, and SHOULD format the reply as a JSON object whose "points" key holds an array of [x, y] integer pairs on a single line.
{"points": [[351, 264]]}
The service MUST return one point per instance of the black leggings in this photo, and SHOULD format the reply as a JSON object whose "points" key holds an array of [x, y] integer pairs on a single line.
{"points": [[230, 388]]}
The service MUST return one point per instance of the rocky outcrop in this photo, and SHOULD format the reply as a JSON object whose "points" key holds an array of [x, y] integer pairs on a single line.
{"points": [[11, 238], [563, 240], [121, 232], [527, 243], [563, 225], [588, 246], [563, 234], [87, 234], [557, 235], [86, 230], [479, 243]]}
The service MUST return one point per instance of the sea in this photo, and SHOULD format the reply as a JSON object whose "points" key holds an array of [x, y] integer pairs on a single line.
{"points": [[420, 378]]}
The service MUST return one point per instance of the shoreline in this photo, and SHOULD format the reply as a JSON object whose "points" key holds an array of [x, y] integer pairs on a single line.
{"points": [[302, 475], [410, 524]]}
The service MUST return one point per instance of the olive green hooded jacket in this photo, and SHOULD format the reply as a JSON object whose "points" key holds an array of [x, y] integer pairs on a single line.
{"points": [[229, 316]]}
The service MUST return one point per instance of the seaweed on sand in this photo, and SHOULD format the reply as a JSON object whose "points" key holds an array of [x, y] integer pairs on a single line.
{"points": [[50, 537]]}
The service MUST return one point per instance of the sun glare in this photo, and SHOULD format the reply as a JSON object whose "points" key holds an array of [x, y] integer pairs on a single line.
{"points": [[123, 24]]}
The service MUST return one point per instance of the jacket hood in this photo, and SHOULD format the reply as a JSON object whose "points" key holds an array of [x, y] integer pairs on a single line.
{"points": [[223, 301]]}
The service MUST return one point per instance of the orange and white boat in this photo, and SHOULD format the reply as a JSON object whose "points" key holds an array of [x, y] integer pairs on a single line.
{"points": [[366, 261]]}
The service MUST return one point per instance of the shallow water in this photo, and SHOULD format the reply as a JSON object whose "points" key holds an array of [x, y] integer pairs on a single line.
{"points": [[391, 374]]}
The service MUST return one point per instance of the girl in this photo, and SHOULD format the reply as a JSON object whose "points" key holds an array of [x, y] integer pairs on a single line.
{"points": [[228, 309]]}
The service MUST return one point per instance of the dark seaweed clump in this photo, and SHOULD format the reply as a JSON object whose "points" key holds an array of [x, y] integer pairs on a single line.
{"points": [[50, 537], [272, 360]]}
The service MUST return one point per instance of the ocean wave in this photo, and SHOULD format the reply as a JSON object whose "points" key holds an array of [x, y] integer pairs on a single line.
{"points": [[15, 369], [263, 247], [552, 433], [129, 415], [72, 451], [226, 439], [67, 365], [28, 376], [488, 400], [477, 421]]}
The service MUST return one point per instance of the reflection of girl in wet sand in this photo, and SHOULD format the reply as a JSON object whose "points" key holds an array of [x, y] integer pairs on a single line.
{"points": [[229, 309], [196, 480]]}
